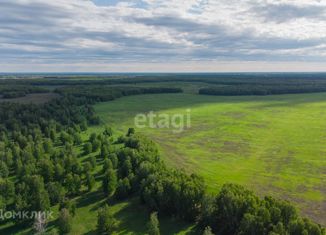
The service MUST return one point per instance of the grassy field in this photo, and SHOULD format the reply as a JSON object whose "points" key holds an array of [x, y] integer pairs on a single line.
{"points": [[274, 145]]}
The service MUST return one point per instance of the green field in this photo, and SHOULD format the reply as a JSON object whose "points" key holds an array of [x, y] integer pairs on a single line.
{"points": [[275, 145]]}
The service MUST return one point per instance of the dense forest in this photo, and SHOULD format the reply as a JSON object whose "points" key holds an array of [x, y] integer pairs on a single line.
{"points": [[107, 93], [40, 168], [235, 90], [14, 91], [217, 84]]}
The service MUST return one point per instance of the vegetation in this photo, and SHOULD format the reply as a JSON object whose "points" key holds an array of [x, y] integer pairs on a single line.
{"points": [[273, 145], [14, 91], [153, 225], [106, 223], [107, 93], [258, 89], [55, 157]]}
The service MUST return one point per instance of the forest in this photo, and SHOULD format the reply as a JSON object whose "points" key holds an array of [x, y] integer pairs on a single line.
{"points": [[40, 168]]}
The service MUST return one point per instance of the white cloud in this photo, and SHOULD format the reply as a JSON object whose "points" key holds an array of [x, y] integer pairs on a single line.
{"points": [[175, 31]]}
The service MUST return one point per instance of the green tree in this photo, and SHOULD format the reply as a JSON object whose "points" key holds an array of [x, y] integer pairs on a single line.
{"points": [[92, 160], [69, 205], [96, 145], [110, 182], [64, 221], [38, 197], [90, 181], [131, 131], [73, 184], [208, 231], [153, 225], [106, 223], [4, 171], [56, 192], [123, 188], [108, 131], [87, 148]]}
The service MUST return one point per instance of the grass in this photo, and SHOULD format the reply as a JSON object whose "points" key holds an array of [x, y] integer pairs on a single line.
{"points": [[274, 145]]}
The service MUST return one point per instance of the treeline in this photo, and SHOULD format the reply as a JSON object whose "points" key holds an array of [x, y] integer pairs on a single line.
{"points": [[223, 83], [39, 164], [234, 210], [137, 169], [59, 113], [238, 90], [15, 91], [107, 93], [211, 78]]}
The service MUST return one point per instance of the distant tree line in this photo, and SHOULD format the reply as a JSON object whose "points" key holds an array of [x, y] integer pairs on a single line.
{"points": [[107, 93], [253, 89], [15, 91]]}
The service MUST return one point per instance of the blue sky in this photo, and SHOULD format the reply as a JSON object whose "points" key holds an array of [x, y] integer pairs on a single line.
{"points": [[162, 36], [106, 2]]}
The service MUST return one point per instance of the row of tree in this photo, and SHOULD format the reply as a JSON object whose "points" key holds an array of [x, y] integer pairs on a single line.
{"points": [[259, 89], [14, 91], [137, 168], [107, 93]]}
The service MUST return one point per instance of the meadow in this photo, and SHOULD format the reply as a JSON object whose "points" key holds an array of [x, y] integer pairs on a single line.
{"points": [[274, 145]]}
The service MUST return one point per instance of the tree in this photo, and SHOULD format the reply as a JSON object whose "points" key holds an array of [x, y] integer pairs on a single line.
{"points": [[108, 131], [73, 184], [58, 172], [52, 134], [64, 221], [92, 160], [46, 169], [56, 192], [126, 168], [104, 151], [131, 131], [90, 181], [123, 188], [208, 231], [4, 171], [87, 148], [110, 182], [7, 189], [48, 146], [153, 225], [69, 205], [38, 197], [77, 138], [106, 223], [107, 165], [96, 145], [40, 223], [65, 138], [92, 137]]}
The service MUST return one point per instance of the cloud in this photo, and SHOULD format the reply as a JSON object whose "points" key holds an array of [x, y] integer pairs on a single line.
{"points": [[155, 31], [284, 12]]}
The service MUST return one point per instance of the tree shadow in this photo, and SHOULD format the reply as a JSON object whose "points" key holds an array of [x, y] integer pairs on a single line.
{"points": [[134, 218], [90, 198]]}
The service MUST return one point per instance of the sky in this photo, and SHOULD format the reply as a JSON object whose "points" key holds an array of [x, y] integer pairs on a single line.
{"points": [[162, 35]]}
